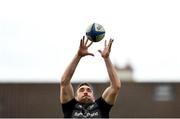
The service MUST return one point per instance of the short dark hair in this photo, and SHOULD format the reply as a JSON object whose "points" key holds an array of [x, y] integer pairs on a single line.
{"points": [[84, 84]]}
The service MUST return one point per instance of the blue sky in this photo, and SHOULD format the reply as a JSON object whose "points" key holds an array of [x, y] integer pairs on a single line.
{"points": [[39, 38]]}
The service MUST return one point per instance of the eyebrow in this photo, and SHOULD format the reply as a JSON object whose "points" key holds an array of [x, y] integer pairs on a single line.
{"points": [[86, 88], [81, 88]]}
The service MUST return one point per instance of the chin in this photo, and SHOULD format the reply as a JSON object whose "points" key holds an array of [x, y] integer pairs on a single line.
{"points": [[86, 100]]}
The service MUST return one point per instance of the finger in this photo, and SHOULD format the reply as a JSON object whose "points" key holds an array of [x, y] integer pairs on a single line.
{"points": [[90, 54], [90, 44], [110, 43], [100, 51], [86, 41], [105, 43], [83, 40]]}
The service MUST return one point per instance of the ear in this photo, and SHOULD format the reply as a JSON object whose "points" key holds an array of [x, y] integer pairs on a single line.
{"points": [[76, 98]]}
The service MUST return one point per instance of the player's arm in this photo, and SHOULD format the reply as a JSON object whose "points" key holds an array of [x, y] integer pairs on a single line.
{"points": [[110, 94], [66, 89]]}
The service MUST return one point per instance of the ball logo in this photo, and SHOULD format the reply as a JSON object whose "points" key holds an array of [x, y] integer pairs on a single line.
{"points": [[99, 27]]}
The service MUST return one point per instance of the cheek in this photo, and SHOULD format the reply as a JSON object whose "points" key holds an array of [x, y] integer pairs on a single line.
{"points": [[90, 94], [80, 94]]}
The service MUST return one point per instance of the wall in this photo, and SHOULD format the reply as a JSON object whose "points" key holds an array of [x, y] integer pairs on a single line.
{"points": [[42, 100]]}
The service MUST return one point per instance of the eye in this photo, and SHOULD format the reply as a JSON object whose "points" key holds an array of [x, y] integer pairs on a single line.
{"points": [[81, 90], [89, 90]]}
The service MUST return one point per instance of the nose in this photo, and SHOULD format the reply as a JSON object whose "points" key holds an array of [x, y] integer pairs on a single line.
{"points": [[85, 93]]}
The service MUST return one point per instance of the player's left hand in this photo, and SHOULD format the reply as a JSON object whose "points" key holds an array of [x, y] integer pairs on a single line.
{"points": [[107, 49]]}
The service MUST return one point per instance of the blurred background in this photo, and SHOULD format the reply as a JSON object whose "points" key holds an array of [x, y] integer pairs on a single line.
{"points": [[39, 38]]}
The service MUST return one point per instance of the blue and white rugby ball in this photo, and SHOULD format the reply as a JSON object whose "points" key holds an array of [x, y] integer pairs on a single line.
{"points": [[95, 32]]}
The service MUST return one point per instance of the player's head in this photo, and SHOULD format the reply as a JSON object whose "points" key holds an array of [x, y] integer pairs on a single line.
{"points": [[84, 93]]}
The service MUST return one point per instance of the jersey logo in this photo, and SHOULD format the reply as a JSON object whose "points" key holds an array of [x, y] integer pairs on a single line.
{"points": [[90, 111]]}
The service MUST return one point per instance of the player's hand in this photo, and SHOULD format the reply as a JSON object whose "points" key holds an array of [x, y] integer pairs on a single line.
{"points": [[83, 48], [107, 49]]}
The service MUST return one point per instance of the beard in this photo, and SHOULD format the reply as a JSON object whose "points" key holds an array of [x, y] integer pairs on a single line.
{"points": [[86, 99]]}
